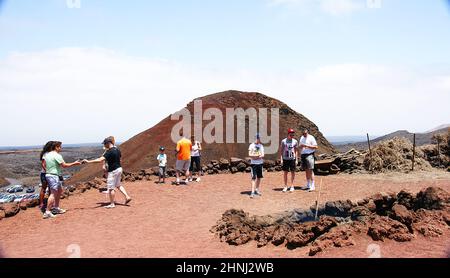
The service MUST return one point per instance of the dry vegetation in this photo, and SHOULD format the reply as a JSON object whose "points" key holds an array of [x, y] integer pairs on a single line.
{"points": [[395, 155]]}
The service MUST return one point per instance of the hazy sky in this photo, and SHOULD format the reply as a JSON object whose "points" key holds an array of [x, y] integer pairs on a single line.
{"points": [[112, 67]]}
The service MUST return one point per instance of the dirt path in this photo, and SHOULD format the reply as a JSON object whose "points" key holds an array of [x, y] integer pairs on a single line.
{"points": [[170, 221]]}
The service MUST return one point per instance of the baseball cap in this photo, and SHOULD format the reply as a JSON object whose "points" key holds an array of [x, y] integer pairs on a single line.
{"points": [[291, 130], [162, 148], [257, 136]]}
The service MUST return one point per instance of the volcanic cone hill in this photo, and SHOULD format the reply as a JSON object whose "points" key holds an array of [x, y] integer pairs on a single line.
{"points": [[141, 150]]}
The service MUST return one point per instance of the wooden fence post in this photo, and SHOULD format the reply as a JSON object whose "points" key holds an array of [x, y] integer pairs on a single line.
{"points": [[370, 153], [414, 150]]}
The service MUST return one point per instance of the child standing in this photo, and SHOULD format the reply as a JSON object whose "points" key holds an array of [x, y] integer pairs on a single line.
{"points": [[256, 153], [162, 160]]}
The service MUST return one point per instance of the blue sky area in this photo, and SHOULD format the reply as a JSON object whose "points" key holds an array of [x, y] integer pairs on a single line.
{"points": [[318, 56]]}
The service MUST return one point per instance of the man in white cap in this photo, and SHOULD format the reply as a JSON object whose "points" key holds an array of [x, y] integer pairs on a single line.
{"points": [[308, 146]]}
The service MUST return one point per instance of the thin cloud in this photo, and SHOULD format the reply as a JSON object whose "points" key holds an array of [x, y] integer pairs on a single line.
{"points": [[331, 7], [340, 7]]}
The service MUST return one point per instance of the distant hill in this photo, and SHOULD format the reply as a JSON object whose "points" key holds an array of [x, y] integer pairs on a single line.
{"points": [[421, 139], [342, 140], [438, 128]]}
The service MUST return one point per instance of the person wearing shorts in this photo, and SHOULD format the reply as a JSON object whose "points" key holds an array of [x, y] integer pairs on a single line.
{"points": [[48, 147], [162, 162], [112, 156], [256, 154], [105, 164], [308, 146], [289, 154], [53, 164], [183, 153], [196, 159]]}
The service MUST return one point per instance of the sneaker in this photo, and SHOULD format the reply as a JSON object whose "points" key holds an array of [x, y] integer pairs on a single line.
{"points": [[285, 189], [58, 211], [252, 195], [258, 192], [292, 189], [198, 180], [48, 214], [306, 187], [312, 188], [189, 180], [110, 206]]}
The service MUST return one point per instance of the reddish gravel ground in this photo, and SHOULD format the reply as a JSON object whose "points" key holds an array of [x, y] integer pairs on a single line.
{"points": [[170, 221]]}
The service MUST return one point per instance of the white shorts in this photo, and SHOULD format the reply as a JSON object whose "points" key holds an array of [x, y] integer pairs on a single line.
{"points": [[113, 179]]}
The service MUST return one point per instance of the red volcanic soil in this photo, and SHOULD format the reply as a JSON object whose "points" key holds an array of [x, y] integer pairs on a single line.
{"points": [[171, 221], [140, 151]]}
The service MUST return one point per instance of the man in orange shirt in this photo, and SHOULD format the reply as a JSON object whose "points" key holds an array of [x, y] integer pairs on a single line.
{"points": [[184, 147]]}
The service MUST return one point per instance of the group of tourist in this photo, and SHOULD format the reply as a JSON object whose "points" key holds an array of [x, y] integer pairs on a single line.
{"points": [[188, 155], [52, 163], [188, 160], [51, 178], [290, 149]]}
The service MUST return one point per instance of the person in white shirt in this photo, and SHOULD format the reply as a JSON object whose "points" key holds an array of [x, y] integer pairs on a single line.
{"points": [[308, 146], [195, 159], [288, 156], [162, 161], [256, 154]]}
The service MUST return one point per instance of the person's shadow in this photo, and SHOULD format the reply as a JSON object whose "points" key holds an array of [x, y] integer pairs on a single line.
{"points": [[96, 206], [180, 183], [295, 187], [104, 204], [246, 192]]}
